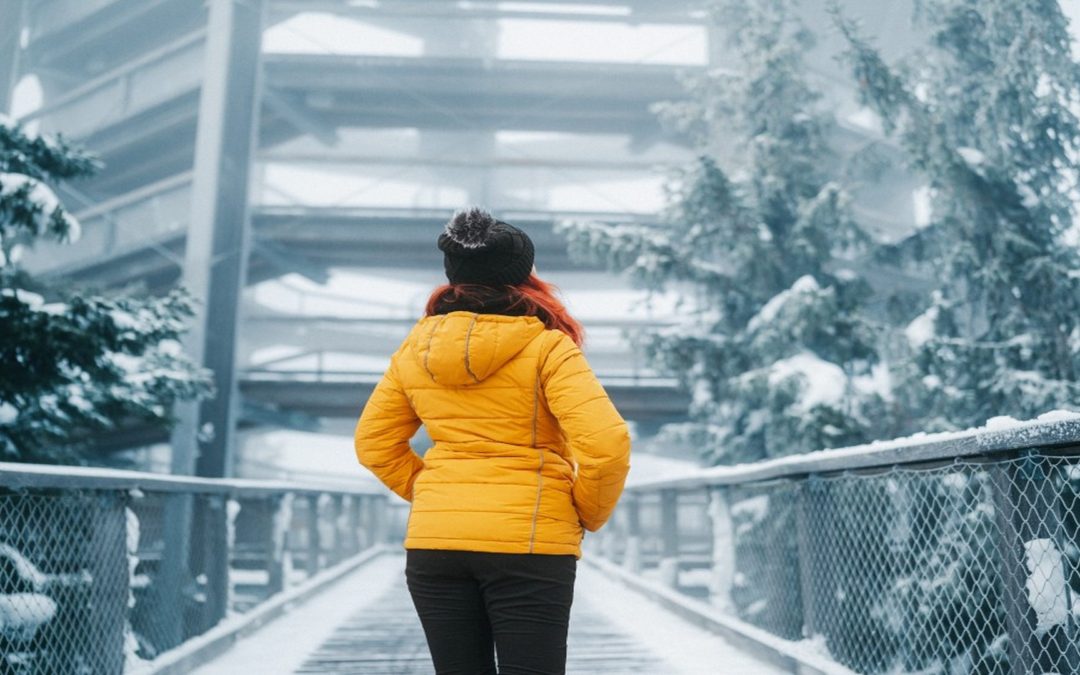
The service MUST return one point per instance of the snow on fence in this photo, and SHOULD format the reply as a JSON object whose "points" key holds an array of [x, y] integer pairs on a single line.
{"points": [[949, 553], [103, 571]]}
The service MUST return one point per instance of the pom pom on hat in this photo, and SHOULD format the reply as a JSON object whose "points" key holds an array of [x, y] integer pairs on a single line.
{"points": [[471, 227], [480, 249]]}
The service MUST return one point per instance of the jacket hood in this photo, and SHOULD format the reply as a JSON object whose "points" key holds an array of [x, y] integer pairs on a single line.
{"points": [[462, 348]]}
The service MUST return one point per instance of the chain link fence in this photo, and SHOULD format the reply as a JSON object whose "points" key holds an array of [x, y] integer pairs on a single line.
{"points": [[101, 575], [951, 565]]}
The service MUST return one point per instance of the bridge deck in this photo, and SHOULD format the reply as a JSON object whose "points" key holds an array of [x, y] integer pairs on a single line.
{"points": [[366, 624]]}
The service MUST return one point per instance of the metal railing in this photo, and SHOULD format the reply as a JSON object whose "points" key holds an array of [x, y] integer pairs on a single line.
{"points": [[162, 75], [103, 571], [952, 554]]}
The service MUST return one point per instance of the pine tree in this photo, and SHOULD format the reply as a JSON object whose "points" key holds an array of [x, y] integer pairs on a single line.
{"points": [[70, 363], [986, 116], [776, 350]]}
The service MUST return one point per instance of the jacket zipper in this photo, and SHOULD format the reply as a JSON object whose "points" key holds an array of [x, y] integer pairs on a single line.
{"points": [[540, 469]]}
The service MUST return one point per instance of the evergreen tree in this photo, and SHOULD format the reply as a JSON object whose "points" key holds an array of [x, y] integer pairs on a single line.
{"points": [[986, 115], [76, 363], [776, 350]]}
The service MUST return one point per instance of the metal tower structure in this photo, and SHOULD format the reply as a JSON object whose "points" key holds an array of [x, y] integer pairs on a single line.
{"points": [[194, 118]]}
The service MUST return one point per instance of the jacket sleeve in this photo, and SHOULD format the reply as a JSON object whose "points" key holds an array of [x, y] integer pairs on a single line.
{"points": [[597, 434], [383, 432]]}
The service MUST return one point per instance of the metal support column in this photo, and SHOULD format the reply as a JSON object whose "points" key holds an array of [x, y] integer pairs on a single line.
{"points": [[215, 267], [12, 21], [218, 239]]}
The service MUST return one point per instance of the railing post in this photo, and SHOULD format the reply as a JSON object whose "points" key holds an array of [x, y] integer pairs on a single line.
{"points": [[275, 543], [210, 559], [109, 590], [609, 543], [722, 575], [379, 520], [352, 524], [1030, 527], [314, 543], [669, 537], [337, 518], [174, 573], [631, 506], [232, 510], [809, 565]]}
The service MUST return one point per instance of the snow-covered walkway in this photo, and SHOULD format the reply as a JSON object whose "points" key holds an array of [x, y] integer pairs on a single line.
{"points": [[366, 624]]}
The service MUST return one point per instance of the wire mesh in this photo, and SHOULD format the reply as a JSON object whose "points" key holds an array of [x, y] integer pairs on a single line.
{"points": [[90, 582], [970, 568], [63, 582]]}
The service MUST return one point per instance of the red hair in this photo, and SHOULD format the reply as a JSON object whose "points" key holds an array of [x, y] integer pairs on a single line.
{"points": [[533, 297]]}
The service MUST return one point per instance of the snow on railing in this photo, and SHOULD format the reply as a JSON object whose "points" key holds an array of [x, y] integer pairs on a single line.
{"points": [[954, 553], [106, 570]]}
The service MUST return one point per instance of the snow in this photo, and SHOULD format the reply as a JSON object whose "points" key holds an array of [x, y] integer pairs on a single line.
{"points": [[866, 118], [921, 329], [753, 508], [29, 298], [1002, 422], [767, 313], [40, 194], [686, 648], [922, 205], [282, 645], [1045, 584], [879, 382], [1058, 416], [974, 158], [1022, 432], [824, 382], [288, 454], [132, 530], [43, 196], [21, 614], [644, 467], [8, 413]]}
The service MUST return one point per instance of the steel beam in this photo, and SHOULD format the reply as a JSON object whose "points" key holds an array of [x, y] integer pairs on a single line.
{"points": [[12, 19], [218, 239], [649, 401], [394, 12]]}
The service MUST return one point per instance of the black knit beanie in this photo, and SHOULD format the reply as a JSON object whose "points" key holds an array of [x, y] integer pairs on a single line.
{"points": [[478, 249]]}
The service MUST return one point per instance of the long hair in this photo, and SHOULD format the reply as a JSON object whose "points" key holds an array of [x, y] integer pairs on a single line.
{"points": [[533, 297]]}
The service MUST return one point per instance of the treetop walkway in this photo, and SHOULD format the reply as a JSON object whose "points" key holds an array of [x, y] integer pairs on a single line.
{"points": [[948, 553]]}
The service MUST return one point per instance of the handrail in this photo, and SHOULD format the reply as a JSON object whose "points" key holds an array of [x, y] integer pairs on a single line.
{"points": [[264, 316], [21, 476], [911, 451], [135, 196], [440, 214], [117, 74], [371, 377]]}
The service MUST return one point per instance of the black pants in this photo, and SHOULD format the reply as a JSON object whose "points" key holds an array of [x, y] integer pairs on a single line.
{"points": [[473, 604]]}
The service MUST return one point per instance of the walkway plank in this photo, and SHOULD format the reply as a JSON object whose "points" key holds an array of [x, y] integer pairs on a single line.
{"points": [[386, 639], [366, 624]]}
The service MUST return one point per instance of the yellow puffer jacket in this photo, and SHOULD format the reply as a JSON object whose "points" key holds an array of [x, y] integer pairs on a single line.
{"points": [[528, 448]]}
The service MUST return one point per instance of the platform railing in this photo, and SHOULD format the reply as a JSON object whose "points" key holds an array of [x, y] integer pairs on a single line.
{"points": [[954, 553], [159, 76], [104, 571]]}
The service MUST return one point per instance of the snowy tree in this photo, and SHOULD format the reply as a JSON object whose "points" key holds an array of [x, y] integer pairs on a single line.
{"points": [[987, 115], [758, 233], [73, 363]]}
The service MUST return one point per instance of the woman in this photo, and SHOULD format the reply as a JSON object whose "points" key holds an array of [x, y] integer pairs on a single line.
{"points": [[528, 453]]}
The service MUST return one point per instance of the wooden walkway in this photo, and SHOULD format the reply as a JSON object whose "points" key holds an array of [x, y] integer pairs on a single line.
{"points": [[386, 639], [366, 625]]}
